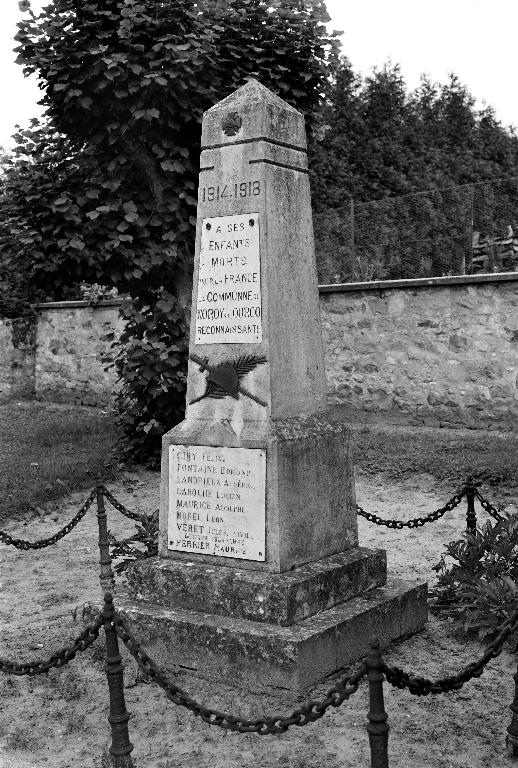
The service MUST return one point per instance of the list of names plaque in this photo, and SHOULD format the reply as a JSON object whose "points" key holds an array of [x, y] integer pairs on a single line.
{"points": [[228, 308], [217, 501]]}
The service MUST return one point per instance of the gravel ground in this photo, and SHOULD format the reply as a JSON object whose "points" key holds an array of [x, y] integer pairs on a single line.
{"points": [[60, 719]]}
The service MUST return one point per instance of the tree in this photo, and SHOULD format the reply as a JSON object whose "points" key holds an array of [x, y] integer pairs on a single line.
{"points": [[338, 136], [376, 143], [377, 139], [125, 85]]}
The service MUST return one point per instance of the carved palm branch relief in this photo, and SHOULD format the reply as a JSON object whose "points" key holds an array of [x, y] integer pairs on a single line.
{"points": [[224, 379]]}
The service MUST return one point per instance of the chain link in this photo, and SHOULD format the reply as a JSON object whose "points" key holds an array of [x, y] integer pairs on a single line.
{"points": [[87, 637], [26, 545], [120, 507], [490, 508], [416, 522], [313, 710], [421, 686]]}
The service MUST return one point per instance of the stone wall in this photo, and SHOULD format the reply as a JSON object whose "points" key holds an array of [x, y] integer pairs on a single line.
{"points": [[437, 352], [17, 340], [69, 345]]}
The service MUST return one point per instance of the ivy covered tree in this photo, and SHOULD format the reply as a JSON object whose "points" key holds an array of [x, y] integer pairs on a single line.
{"points": [[125, 84]]}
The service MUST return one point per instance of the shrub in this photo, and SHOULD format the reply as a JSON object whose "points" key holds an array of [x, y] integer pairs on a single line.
{"points": [[479, 590], [93, 293], [142, 544]]}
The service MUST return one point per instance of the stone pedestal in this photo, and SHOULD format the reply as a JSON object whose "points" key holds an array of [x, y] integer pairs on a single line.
{"points": [[255, 655], [308, 506], [259, 575]]}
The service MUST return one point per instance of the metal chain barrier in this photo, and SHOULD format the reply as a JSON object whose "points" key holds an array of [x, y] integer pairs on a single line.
{"points": [[421, 686], [87, 637], [373, 668], [121, 508], [416, 522], [23, 544], [308, 713], [370, 516], [490, 508]]}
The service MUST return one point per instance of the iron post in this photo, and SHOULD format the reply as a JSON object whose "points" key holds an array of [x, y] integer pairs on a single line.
{"points": [[377, 726], [106, 575], [471, 515], [121, 747], [511, 740]]}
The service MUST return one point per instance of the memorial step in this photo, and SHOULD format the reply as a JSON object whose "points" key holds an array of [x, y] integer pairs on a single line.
{"points": [[254, 655], [275, 598]]}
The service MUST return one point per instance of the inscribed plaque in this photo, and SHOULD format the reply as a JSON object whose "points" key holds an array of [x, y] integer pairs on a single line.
{"points": [[228, 308], [217, 501]]}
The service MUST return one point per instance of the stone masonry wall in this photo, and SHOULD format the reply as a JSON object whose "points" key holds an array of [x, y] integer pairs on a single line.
{"points": [[17, 339], [441, 352], [69, 345]]}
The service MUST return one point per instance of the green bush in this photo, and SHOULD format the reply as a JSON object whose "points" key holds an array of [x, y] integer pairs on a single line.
{"points": [[479, 590], [142, 544], [150, 357]]}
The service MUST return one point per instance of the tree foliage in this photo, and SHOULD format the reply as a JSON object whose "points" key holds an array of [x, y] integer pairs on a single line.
{"points": [[125, 85], [104, 190], [378, 139], [377, 142], [66, 219]]}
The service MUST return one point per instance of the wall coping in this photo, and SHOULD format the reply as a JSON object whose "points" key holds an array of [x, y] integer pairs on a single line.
{"points": [[421, 282], [373, 285], [78, 304]]}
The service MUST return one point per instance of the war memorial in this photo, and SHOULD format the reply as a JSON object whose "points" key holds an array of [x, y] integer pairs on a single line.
{"points": [[260, 579]]}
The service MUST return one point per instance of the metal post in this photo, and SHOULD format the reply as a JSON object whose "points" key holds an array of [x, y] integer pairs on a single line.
{"points": [[492, 251], [511, 740], [377, 726], [353, 245], [121, 746], [469, 262], [471, 515], [106, 576]]}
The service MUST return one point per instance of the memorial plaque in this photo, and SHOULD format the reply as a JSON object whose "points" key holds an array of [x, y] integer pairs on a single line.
{"points": [[217, 501], [228, 307]]}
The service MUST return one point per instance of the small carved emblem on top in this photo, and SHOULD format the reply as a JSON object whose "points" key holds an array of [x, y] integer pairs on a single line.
{"points": [[231, 123]]}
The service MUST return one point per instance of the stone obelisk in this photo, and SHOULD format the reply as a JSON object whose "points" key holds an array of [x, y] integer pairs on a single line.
{"points": [[259, 570]]}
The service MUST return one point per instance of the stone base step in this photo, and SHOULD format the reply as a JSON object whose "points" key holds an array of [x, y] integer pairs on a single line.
{"points": [[274, 598], [254, 656]]}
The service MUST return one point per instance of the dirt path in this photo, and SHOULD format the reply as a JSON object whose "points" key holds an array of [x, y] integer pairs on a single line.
{"points": [[60, 720]]}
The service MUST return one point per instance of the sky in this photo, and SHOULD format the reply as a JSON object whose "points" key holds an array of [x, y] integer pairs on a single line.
{"points": [[473, 38]]}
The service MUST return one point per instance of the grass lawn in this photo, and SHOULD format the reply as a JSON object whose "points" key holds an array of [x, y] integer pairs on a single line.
{"points": [[48, 450], [449, 455]]}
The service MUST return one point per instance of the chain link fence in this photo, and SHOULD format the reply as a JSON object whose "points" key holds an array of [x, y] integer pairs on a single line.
{"points": [[461, 230]]}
